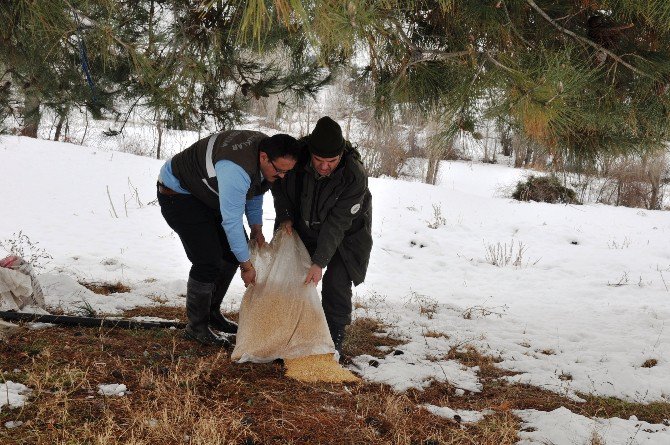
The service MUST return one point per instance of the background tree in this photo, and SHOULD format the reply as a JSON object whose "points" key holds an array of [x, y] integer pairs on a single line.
{"points": [[183, 61], [48, 49], [578, 77]]}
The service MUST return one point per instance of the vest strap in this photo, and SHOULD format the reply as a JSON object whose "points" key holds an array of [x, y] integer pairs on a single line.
{"points": [[209, 164], [210, 187]]}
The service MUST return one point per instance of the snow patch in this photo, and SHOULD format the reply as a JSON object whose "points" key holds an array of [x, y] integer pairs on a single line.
{"points": [[563, 427], [112, 389], [13, 394]]}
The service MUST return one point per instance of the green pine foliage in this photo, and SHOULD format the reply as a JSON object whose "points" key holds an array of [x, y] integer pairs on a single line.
{"points": [[189, 62], [580, 77]]}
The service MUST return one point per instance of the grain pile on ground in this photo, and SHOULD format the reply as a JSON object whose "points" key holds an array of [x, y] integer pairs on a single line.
{"points": [[280, 317], [318, 368]]}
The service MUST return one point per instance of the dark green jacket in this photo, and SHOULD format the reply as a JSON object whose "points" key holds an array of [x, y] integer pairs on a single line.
{"points": [[331, 213]]}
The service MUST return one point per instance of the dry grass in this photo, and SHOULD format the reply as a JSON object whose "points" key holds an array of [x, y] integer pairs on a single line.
{"points": [[364, 337], [185, 393], [105, 288], [596, 439], [471, 357], [181, 392], [654, 412], [650, 363], [435, 334], [502, 255], [502, 396], [167, 312]]}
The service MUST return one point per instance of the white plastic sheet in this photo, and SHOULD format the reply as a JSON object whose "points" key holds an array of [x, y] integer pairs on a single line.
{"points": [[18, 285]]}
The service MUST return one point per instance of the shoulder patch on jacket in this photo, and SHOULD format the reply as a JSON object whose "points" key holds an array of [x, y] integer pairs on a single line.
{"points": [[355, 208]]}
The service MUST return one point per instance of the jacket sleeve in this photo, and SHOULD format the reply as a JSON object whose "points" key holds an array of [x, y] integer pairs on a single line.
{"points": [[339, 220], [254, 210], [233, 185], [284, 208]]}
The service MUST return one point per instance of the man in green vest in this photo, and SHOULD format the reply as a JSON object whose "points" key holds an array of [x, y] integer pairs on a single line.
{"points": [[204, 191], [326, 199]]}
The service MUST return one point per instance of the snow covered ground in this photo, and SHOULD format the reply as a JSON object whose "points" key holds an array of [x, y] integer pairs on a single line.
{"points": [[582, 303]]}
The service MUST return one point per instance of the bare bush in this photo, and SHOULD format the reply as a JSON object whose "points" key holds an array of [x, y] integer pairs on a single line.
{"points": [[267, 109], [619, 245], [544, 189], [136, 145], [438, 219], [630, 181], [528, 153], [483, 311], [383, 152], [502, 255], [427, 306], [639, 182], [19, 244]]}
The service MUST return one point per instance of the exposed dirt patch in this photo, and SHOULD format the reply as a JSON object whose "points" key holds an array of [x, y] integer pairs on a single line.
{"points": [[166, 312], [106, 288], [366, 336]]}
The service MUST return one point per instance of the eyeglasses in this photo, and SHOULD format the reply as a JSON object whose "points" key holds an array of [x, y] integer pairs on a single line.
{"points": [[278, 170]]}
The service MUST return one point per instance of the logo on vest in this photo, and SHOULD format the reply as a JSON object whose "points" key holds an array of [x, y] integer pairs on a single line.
{"points": [[355, 208]]}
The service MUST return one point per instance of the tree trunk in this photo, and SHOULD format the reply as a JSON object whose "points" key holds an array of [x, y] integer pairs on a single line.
{"points": [[486, 146], [59, 125], [85, 127], [506, 141], [431, 171], [519, 151], [349, 118], [159, 127], [529, 155], [655, 172], [272, 110], [31, 115], [435, 154]]}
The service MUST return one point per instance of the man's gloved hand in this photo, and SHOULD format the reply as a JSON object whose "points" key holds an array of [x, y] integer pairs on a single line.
{"points": [[314, 274], [257, 234], [248, 273], [288, 226]]}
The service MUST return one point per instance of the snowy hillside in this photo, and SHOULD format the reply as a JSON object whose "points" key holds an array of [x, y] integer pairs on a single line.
{"points": [[583, 302]]}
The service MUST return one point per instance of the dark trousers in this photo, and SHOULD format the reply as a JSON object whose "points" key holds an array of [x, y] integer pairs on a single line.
{"points": [[336, 290], [205, 242]]}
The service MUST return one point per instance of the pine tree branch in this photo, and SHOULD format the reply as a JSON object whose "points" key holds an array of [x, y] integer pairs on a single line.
{"points": [[419, 55], [431, 56], [582, 39], [514, 28], [500, 65], [373, 58]]}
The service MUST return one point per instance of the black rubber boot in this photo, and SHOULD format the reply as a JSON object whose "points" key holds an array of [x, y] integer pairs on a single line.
{"points": [[337, 333], [198, 297], [216, 319]]}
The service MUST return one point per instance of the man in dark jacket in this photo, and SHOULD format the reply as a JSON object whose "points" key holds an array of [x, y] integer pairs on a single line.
{"points": [[203, 193], [327, 201]]}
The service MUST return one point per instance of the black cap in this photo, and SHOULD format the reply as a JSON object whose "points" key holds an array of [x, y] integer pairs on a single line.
{"points": [[326, 140]]}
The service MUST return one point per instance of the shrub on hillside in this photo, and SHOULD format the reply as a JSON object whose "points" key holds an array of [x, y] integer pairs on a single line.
{"points": [[544, 189]]}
